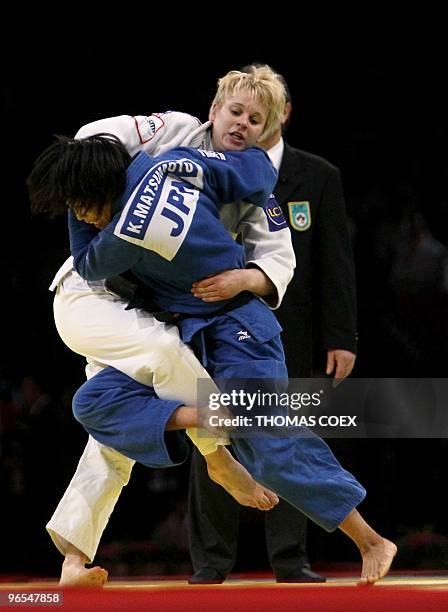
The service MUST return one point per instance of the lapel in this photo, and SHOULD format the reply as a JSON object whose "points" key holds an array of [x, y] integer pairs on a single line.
{"points": [[291, 174]]}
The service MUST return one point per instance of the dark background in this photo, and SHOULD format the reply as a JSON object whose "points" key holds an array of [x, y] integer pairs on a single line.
{"points": [[376, 111]]}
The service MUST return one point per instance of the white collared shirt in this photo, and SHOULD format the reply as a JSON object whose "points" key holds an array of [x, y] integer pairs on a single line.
{"points": [[276, 153]]}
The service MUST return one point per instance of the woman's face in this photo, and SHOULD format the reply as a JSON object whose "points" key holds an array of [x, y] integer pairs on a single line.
{"points": [[238, 123], [93, 216]]}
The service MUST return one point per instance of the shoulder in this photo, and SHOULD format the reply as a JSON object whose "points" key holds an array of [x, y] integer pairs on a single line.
{"points": [[310, 161], [253, 153], [145, 125], [178, 117]]}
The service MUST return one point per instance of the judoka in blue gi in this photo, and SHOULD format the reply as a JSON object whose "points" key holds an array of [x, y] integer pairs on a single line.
{"points": [[166, 229]]}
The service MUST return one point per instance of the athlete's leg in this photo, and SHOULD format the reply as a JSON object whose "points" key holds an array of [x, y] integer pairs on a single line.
{"points": [[95, 323], [377, 552], [146, 429], [83, 512], [300, 468]]}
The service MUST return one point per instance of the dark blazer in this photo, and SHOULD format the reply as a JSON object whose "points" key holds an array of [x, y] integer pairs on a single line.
{"points": [[319, 308]]}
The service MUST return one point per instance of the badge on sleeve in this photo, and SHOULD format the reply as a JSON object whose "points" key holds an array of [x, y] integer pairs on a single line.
{"points": [[299, 215], [147, 127], [276, 219]]}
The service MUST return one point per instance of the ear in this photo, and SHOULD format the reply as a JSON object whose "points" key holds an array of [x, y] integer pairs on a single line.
{"points": [[286, 112], [213, 111]]}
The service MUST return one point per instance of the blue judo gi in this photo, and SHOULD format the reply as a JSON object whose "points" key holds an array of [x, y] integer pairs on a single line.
{"points": [[167, 230]]}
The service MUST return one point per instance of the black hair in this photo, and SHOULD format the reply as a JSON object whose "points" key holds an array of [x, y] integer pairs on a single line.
{"points": [[90, 172]]}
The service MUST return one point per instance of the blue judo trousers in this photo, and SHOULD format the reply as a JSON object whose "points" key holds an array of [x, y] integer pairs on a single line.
{"points": [[243, 343]]}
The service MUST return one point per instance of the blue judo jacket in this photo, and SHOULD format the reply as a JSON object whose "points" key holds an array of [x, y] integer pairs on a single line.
{"points": [[166, 226]]}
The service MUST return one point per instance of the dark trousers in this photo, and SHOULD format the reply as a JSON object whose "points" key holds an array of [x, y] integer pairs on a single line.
{"points": [[213, 519]]}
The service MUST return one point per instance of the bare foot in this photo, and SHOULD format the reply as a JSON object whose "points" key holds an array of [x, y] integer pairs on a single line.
{"points": [[236, 480], [376, 561], [76, 575]]}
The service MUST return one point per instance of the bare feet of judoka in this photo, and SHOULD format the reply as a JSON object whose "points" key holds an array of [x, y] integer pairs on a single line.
{"points": [[236, 480], [377, 553], [75, 574], [376, 561]]}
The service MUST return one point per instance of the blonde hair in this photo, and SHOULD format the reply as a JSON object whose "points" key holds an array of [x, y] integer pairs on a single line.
{"points": [[263, 84]]}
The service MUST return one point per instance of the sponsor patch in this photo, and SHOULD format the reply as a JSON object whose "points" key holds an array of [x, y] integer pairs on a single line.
{"points": [[299, 215], [274, 213]]}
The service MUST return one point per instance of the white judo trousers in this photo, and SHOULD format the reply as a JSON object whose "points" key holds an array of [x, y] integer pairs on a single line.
{"points": [[145, 349]]}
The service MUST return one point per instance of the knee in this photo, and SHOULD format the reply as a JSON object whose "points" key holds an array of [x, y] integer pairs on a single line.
{"points": [[81, 403], [106, 463], [121, 465]]}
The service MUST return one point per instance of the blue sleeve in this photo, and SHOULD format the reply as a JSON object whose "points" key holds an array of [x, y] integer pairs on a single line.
{"points": [[242, 175], [99, 254], [80, 233]]}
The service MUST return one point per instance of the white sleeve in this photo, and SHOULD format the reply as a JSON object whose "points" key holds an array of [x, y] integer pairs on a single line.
{"points": [[153, 134], [271, 251]]}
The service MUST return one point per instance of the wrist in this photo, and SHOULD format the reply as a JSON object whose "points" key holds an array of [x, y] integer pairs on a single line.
{"points": [[258, 283], [249, 279]]}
